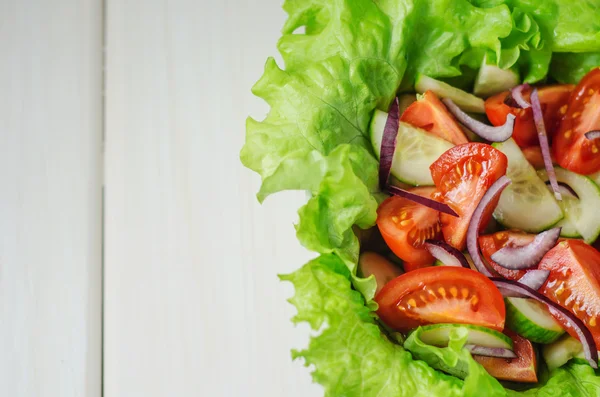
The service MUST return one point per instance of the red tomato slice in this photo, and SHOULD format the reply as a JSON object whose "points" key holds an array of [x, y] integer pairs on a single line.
{"points": [[523, 368], [441, 294], [571, 148], [553, 100], [574, 283], [405, 225], [409, 266], [430, 114], [462, 175], [533, 154], [491, 243]]}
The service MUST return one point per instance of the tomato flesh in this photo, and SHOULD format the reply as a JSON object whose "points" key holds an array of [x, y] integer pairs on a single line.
{"points": [[462, 175], [430, 114], [405, 225], [441, 294], [523, 368], [491, 243], [572, 149], [553, 100], [533, 154], [574, 283]]}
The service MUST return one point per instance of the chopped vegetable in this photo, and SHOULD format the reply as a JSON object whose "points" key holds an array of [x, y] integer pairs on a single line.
{"points": [[572, 149], [534, 279], [527, 256], [575, 324], [541, 129], [441, 294], [574, 283], [462, 175], [485, 206], [522, 368], [430, 114], [492, 134], [405, 226], [446, 254], [388, 144], [373, 264]]}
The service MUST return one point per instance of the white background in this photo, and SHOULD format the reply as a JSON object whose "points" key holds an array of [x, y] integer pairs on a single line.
{"points": [[192, 305]]}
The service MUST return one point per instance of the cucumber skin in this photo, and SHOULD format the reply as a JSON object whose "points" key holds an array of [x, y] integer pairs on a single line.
{"points": [[468, 102], [514, 153], [496, 334], [563, 175], [517, 322]]}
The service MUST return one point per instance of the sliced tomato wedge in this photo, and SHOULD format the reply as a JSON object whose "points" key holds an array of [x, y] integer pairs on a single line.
{"points": [[462, 175], [553, 100], [441, 294], [430, 114], [410, 266], [491, 243], [405, 225], [572, 149], [574, 283], [523, 368]]}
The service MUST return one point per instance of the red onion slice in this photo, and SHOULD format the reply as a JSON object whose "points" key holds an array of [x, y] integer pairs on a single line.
{"points": [[538, 118], [473, 232], [492, 134], [527, 256], [490, 351], [446, 254], [427, 202], [516, 94], [534, 279], [591, 135], [565, 190], [584, 334], [388, 143]]}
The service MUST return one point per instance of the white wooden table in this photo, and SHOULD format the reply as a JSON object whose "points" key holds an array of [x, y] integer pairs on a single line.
{"points": [[192, 305]]}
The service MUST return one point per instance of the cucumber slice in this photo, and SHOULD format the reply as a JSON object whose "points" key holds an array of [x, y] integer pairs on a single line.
{"points": [[466, 101], [580, 358], [416, 150], [569, 207], [531, 320], [438, 335], [561, 351], [492, 80], [582, 213], [596, 178], [526, 203]]}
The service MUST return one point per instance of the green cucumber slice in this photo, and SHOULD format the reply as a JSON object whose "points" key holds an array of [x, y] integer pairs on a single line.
{"points": [[580, 358], [466, 101], [570, 209], [416, 150], [561, 351], [492, 80], [438, 335], [583, 213], [596, 178], [531, 320], [526, 203]]}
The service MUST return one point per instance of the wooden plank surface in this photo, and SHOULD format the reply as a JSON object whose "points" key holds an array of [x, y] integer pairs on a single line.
{"points": [[192, 302], [50, 198]]}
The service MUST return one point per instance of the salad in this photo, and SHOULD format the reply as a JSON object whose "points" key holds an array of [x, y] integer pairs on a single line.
{"points": [[451, 152]]}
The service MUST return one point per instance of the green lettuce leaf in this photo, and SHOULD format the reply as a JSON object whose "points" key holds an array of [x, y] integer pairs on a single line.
{"points": [[352, 356], [570, 68], [352, 57], [455, 360]]}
